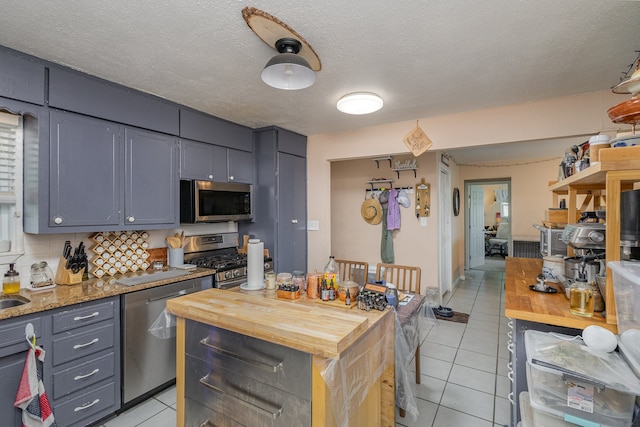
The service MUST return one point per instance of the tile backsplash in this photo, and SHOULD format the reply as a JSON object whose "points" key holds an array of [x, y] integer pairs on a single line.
{"points": [[48, 247]]}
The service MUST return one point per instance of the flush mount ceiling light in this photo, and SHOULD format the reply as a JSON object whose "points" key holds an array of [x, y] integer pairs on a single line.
{"points": [[287, 70], [296, 65], [360, 103]]}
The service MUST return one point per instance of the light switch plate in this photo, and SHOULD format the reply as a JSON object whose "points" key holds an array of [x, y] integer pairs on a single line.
{"points": [[312, 225]]}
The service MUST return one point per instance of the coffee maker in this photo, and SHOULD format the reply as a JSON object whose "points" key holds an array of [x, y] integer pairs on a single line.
{"points": [[588, 239], [630, 224]]}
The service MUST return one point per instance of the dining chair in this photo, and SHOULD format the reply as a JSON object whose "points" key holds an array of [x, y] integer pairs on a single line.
{"points": [[406, 279], [353, 270]]}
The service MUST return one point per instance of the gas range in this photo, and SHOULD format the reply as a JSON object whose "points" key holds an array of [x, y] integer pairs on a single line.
{"points": [[219, 252]]}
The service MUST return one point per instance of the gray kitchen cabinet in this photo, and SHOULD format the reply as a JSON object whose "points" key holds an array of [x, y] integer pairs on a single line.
{"points": [[231, 165], [199, 126], [280, 194], [151, 179], [83, 362], [21, 78], [74, 91], [85, 167], [13, 353], [102, 176], [196, 160]]}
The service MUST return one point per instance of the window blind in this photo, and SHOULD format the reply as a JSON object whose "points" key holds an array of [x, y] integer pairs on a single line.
{"points": [[8, 151]]}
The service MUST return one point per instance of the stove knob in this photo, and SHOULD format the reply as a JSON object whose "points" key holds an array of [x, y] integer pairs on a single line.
{"points": [[596, 236], [236, 273], [227, 275], [267, 266]]}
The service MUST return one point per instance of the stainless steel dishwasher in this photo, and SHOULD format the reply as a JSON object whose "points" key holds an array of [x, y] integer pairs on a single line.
{"points": [[149, 362]]}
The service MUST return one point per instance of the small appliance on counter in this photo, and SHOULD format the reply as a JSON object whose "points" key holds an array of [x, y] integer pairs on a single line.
{"points": [[550, 241]]}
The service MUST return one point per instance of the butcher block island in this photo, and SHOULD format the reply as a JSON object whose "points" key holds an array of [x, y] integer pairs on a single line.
{"points": [[249, 358]]}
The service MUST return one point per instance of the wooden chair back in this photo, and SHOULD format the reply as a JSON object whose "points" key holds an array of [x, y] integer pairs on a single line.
{"points": [[406, 278], [353, 270]]}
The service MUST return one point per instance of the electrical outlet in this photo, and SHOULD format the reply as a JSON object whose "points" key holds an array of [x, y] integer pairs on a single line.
{"points": [[312, 225]]}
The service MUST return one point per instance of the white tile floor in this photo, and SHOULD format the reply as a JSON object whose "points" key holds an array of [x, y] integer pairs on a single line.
{"points": [[463, 366]]}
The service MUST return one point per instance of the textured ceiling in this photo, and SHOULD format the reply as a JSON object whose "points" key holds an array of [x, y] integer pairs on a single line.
{"points": [[425, 58]]}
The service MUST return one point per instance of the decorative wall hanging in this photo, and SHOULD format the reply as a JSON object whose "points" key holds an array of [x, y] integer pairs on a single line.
{"points": [[456, 201], [423, 199], [417, 141]]}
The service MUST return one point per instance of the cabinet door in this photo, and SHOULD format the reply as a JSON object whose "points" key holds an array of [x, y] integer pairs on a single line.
{"points": [[196, 160], [151, 179], [10, 374], [240, 166], [292, 214], [85, 184], [21, 78]]}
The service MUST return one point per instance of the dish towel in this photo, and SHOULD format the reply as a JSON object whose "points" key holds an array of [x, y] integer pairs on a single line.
{"points": [[31, 396]]}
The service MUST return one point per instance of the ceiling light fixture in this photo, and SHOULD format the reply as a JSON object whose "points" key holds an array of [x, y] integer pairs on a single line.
{"points": [[287, 70], [360, 103]]}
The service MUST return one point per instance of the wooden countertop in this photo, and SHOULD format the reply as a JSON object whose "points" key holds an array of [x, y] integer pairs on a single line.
{"points": [[525, 304], [89, 290], [309, 325]]}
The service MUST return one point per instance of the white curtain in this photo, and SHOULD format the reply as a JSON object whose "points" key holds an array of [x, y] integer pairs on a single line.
{"points": [[502, 195]]}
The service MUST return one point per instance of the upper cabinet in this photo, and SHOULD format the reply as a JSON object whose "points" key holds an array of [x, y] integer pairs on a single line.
{"points": [[205, 128], [21, 78], [81, 93], [103, 176], [207, 162]]}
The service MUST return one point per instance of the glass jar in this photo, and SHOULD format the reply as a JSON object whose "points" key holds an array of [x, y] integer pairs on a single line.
{"points": [[298, 280], [270, 278], [41, 275], [11, 282], [581, 300], [313, 285], [284, 279]]}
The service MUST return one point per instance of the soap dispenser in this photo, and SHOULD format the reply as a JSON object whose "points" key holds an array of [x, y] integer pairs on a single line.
{"points": [[11, 283]]}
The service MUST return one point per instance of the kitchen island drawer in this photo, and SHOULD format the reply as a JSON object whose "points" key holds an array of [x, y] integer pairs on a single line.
{"points": [[86, 408], [81, 344], [82, 315], [198, 415], [280, 367], [83, 375], [243, 399]]}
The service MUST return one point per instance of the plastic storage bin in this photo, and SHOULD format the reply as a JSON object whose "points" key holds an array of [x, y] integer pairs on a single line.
{"points": [[626, 288], [570, 381]]}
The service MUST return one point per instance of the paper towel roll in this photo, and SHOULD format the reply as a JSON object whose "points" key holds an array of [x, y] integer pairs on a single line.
{"points": [[255, 264]]}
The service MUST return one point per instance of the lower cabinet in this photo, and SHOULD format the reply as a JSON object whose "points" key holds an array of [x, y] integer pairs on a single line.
{"points": [[81, 367], [233, 379]]}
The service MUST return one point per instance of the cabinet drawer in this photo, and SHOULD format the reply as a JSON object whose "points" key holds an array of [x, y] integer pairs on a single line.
{"points": [[243, 399], [81, 316], [93, 405], [12, 332], [82, 344], [197, 415], [281, 367], [83, 375]]}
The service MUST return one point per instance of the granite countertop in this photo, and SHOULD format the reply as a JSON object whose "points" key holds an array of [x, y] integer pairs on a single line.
{"points": [[89, 290]]}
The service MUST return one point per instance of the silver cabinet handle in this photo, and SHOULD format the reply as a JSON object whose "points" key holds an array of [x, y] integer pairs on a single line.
{"points": [[210, 177], [81, 377], [93, 341], [86, 406], [273, 415], [272, 368], [58, 220], [94, 314], [294, 221], [231, 178], [208, 423], [131, 218]]}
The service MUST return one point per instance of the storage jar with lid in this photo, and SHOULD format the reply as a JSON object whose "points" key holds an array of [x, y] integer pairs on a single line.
{"points": [[11, 282]]}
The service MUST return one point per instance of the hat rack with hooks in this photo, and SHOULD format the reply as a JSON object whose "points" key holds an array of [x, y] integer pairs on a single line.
{"points": [[423, 199]]}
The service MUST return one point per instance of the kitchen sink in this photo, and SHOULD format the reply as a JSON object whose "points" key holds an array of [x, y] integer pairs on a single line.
{"points": [[12, 301]]}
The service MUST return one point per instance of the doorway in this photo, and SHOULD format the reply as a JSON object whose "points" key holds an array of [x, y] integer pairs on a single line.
{"points": [[488, 208]]}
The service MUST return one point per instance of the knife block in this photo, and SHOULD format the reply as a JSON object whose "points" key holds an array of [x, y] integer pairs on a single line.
{"points": [[65, 276]]}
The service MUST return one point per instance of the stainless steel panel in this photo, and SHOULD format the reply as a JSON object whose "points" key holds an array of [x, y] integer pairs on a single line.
{"points": [[198, 415], [83, 375], [81, 344], [85, 314], [149, 361], [280, 367], [243, 399]]}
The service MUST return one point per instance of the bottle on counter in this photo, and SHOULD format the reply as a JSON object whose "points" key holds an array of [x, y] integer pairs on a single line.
{"points": [[331, 271], [324, 291], [332, 290], [11, 283], [347, 298]]}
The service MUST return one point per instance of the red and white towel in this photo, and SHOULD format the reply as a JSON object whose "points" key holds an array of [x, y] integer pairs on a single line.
{"points": [[31, 397]]}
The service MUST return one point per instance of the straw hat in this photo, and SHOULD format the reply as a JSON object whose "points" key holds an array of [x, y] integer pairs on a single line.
{"points": [[371, 211]]}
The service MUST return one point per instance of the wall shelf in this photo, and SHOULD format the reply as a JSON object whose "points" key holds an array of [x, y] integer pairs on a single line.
{"points": [[378, 181], [381, 159], [415, 174]]}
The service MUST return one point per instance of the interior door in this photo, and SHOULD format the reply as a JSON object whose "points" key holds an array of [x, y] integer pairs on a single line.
{"points": [[292, 214], [445, 231], [476, 226]]}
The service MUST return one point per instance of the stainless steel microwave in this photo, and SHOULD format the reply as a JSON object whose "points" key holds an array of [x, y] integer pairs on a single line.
{"points": [[204, 201]]}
